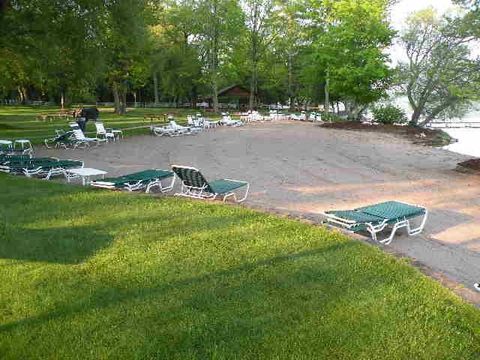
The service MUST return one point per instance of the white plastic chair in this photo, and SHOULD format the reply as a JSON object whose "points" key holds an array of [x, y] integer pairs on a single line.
{"points": [[23, 146], [81, 139], [104, 133]]}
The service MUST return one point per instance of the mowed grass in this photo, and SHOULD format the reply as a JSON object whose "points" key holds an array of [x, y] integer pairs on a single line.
{"points": [[20, 122], [91, 274]]}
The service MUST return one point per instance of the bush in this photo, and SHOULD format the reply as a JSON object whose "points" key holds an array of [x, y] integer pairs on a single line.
{"points": [[389, 114], [331, 117]]}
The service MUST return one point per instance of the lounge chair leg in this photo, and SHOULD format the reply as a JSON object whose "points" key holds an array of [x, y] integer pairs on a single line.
{"points": [[419, 229], [398, 225], [234, 195], [245, 195]]}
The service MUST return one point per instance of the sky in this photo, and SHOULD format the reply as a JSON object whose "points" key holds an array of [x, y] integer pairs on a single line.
{"points": [[404, 8]]}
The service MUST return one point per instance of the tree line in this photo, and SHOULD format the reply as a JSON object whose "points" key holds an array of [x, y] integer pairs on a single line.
{"points": [[294, 52]]}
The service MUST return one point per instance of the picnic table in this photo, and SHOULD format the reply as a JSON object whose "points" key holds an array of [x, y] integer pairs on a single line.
{"points": [[63, 115]]}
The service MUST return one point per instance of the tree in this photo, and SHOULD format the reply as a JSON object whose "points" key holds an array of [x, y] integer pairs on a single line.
{"points": [[347, 51], [126, 46], [219, 25], [440, 78], [175, 63], [259, 37]]}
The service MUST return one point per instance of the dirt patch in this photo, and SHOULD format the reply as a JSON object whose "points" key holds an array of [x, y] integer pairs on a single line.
{"points": [[472, 164], [421, 136]]}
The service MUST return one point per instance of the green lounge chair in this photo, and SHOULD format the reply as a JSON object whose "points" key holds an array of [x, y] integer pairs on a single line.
{"points": [[145, 179], [15, 163], [43, 167], [377, 217], [61, 139], [195, 185], [5, 159]]}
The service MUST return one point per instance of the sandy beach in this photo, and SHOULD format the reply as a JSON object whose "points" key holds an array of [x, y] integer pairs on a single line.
{"points": [[302, 169]]}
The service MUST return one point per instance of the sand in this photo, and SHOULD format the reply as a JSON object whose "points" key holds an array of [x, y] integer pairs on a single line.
{"points": [[302, 169]]}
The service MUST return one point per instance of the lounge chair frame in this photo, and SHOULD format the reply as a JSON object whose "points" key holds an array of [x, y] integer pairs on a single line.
{"points": [[202, 192], [375, 228], [46, 171], [139, 185]]}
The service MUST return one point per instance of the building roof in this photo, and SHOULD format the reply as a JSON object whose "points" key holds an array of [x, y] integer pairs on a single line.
{"points": [[234, 90]]}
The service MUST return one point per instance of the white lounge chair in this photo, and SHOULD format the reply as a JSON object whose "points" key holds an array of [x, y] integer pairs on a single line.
{"points": [[228, 121], [164, 131], [254, 115], [301, 117], [104, 133], [79, 138], [195, 123], [184, 130]]}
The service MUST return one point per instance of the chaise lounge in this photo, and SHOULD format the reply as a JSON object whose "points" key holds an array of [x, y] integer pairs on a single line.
{"points": [[194, 185], [375, 218], [146, 179], [79, 138], [61, 139], [43, 167]]}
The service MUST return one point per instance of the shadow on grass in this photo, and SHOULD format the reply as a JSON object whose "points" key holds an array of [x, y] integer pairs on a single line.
{"points": [[73, 244], [107, 297], [63, 245], [77, 224]]}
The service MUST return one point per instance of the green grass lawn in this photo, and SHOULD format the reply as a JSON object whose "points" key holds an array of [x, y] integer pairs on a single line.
{"points": [[19, 122], [98, 274]]}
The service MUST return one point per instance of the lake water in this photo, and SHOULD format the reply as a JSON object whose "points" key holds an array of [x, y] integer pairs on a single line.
{"points": [[468, 138], [468, 141]]}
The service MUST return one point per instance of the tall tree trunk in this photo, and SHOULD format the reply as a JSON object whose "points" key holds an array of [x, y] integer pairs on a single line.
{"points": [[290, 82], [415, 116], [215, 95], [20, 94], [327, 93], [62, 100], [251, 101], [124, 101], [119, 97], [116, 99], [155, 87]]}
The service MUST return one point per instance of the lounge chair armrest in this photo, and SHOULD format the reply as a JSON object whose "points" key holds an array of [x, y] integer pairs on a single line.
{"points": [[339, 219], [238, 181]]}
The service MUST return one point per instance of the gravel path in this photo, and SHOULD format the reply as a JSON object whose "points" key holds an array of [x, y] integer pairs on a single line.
{"points": [[302, 169]]}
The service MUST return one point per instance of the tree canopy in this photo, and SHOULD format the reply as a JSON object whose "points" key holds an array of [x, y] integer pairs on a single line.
{"points": [[297, 52], [440, 77]]}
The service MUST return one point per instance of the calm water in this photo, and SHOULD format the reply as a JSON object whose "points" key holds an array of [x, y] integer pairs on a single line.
{"points": [[468, 138], [468, 141]]}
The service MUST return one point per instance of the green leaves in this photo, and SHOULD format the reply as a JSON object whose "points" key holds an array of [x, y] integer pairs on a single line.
{"points": [[349, 45], [441, 77], [281, 49]]}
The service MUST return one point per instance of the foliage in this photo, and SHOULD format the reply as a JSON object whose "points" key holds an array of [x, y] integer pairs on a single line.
{"points": [[440, 77], [331, 117], [389, 114], [348, 50], [111, 275], [126, 42], [188, 49]]}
